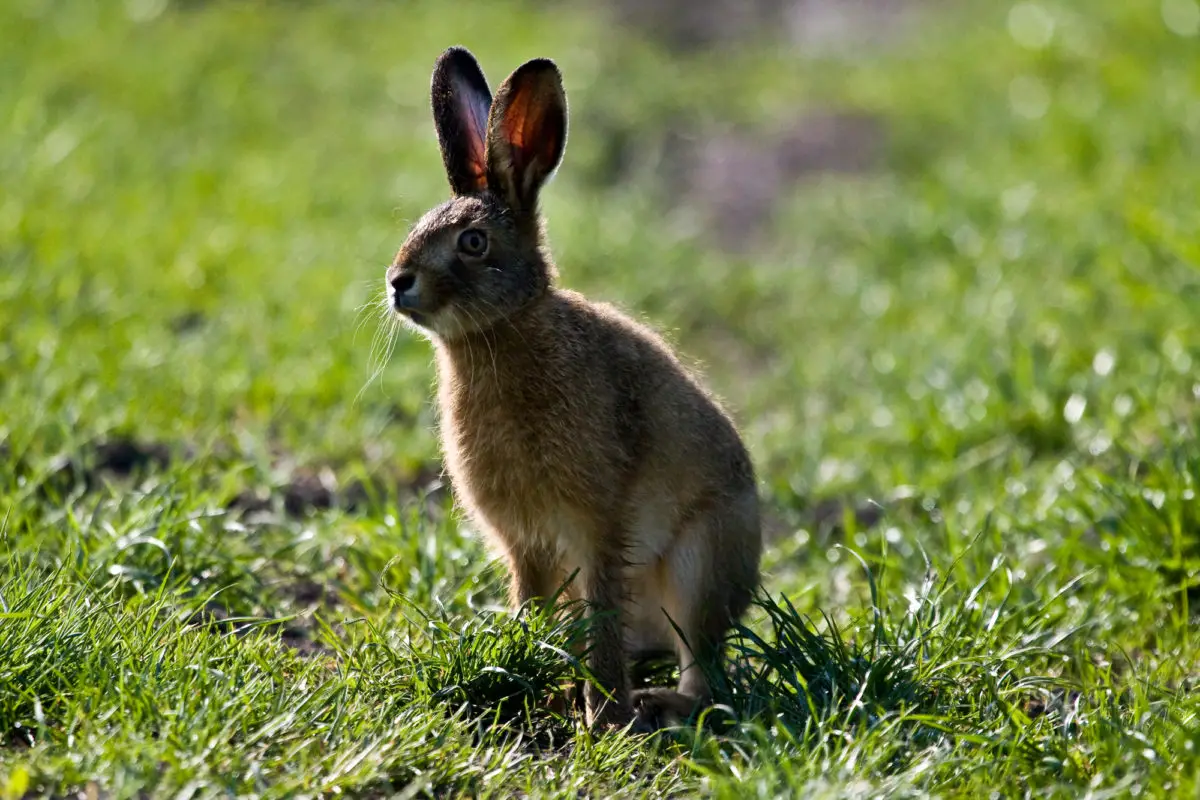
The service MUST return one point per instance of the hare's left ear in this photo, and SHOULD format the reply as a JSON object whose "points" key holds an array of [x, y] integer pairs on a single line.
{"points": [[461, 102], [527, 133]]}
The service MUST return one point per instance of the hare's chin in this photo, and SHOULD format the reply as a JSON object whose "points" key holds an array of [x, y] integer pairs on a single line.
{"points": [[418, 318]]}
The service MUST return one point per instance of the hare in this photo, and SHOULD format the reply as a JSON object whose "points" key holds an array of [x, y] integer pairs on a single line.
{"points": [[572, 435]]}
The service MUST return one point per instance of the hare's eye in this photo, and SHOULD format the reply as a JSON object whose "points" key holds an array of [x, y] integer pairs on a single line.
{"points": [[473, 242]]}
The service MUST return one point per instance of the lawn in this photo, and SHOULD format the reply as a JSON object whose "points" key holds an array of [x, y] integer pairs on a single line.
{"points": [[966, 361]]}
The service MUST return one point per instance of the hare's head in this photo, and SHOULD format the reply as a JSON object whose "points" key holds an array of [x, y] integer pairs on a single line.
{"points": [[478, 258]]}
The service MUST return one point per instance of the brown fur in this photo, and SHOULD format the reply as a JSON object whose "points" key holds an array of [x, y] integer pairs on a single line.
{"points": [[573, 436]]}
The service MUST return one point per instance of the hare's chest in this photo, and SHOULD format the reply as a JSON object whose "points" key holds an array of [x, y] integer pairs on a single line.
{"points": [[499, 453], [485, 443]]}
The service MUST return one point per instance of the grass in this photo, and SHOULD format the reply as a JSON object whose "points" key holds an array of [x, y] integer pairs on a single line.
{"points": [[968, 376]]}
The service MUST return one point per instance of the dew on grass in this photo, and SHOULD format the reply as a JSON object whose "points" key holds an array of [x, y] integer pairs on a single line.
{"points": [[968, 241], [57, 145], [831, 470], [1016, 200], [1028, 97], [1182, 17], [144, 10], [1177, 354], [938, 378], [1100, 444], [1073, 410], [876, 299], [1103, 362], [1155, 497], [976, 390], [954, 413], [1030, 25], [1004, 303], [1012, 244]]}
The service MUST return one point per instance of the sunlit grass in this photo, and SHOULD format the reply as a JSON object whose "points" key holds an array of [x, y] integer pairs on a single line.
{"points": [[968, 375]]}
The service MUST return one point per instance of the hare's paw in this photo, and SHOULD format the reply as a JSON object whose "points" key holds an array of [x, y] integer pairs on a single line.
{"points": [[655, 709], [608, 716]]}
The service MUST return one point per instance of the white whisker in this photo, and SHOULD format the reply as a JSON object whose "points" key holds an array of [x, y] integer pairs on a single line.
{"points": [[383, 345]]}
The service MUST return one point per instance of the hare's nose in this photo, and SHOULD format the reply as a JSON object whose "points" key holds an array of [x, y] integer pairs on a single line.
{"points": [[403, 282]]}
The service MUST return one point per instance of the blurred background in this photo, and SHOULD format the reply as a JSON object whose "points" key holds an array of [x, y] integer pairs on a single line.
{"points": [[906, 240], [941, 259]]}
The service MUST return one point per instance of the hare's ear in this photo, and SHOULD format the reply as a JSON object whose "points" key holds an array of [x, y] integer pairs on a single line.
{"points": [[461, 101], [527, 132]]}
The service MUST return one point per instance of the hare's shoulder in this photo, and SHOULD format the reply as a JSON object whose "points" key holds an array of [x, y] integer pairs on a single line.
{"points": [[613, 330]]}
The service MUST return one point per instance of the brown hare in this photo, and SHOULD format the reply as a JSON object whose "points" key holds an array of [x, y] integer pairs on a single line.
{"points": [[573, 436]]}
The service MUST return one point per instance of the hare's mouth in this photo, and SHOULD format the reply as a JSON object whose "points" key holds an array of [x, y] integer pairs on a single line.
{"points": [[410, 311]]}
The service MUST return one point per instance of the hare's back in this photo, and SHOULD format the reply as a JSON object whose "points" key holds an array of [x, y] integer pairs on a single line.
{"points": [[681, 427]]}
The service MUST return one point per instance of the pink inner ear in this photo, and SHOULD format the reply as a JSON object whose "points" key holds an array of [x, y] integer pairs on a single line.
{"points": [[472, 114], [525, 126]]}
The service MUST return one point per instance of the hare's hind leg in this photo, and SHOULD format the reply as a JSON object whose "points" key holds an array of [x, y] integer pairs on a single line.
{"points": [[707, 580]]}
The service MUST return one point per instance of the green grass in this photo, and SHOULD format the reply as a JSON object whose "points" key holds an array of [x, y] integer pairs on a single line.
{"points": [[989, 341]]}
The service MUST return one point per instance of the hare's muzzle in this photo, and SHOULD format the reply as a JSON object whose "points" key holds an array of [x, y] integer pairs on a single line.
{"points": [[406, 293], [405, 290]]}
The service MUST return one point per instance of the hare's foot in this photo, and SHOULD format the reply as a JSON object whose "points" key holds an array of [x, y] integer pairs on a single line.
{"points": [[658, 708], [607, 715]]}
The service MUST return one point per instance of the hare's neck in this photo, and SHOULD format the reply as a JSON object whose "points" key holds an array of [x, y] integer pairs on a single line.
{"points": [[505, 354]]}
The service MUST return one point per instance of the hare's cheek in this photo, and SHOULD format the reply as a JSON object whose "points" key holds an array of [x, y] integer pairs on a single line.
{"points": [[459, 271]]}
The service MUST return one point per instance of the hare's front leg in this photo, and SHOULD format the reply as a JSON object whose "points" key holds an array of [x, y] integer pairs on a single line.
{"points": [[534, 573], [606, 697]]}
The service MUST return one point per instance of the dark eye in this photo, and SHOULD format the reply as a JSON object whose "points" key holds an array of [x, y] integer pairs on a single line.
{"points": [[472, 242]]}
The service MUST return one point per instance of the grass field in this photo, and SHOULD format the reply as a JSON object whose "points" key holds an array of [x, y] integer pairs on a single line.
{"points": [[969, 375]]}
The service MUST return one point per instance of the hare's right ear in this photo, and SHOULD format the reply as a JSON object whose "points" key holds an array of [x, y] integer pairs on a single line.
{"points": [[527, 133], [461, 103]]}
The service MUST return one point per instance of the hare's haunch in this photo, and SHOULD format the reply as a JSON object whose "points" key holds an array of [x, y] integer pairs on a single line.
{"points": [[573, 436]]}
